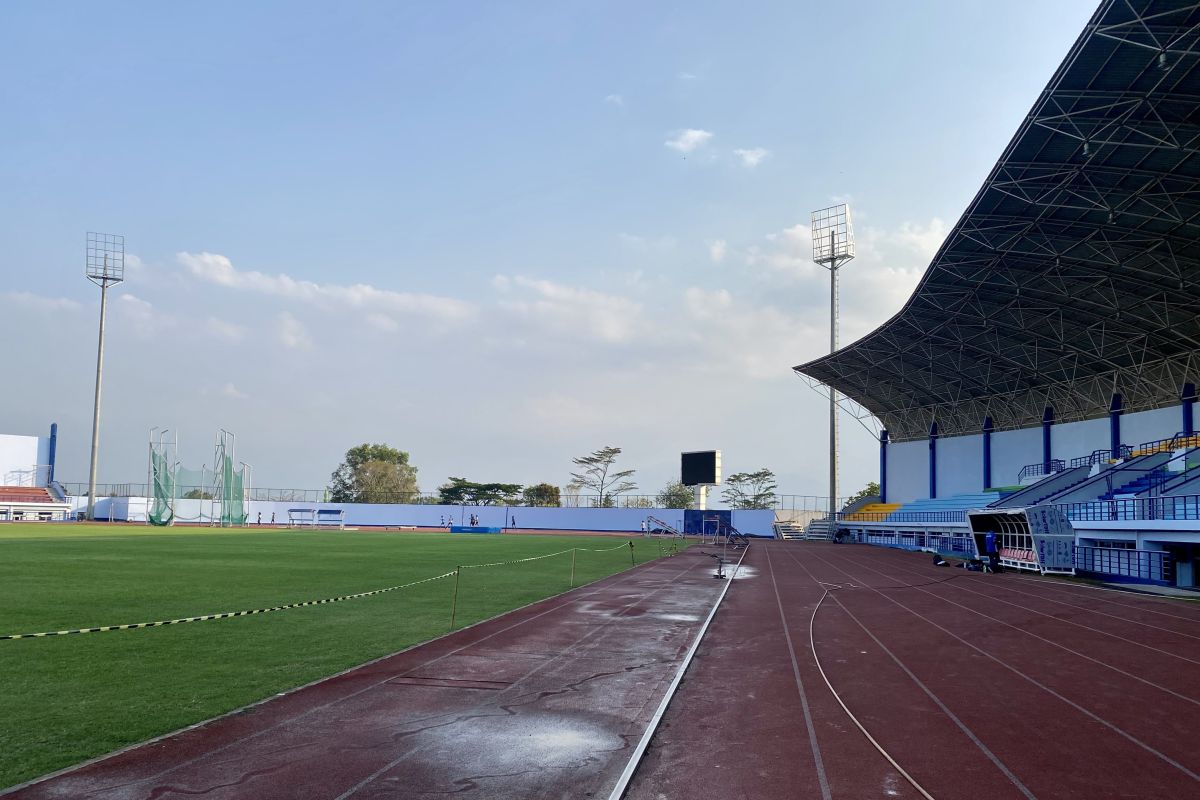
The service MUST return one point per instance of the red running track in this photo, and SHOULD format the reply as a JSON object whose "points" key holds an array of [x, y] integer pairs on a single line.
{"points": [[544, 702], [981, 686]]}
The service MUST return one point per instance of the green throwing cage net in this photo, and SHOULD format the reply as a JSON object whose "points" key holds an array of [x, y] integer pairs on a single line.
{"points": [[162, 478]]}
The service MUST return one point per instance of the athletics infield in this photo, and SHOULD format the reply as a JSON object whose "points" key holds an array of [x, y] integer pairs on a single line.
{"points": [[827, 671]]}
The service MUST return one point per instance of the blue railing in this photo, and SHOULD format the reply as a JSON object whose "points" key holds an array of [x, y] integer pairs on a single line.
{"points": [[1101, 456], [1144, 565], [961, 546], [1184, 507], [903, 516], [1041, 468]]}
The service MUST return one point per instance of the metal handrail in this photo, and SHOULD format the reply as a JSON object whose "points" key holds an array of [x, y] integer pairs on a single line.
{"points": [[1041, 468]]}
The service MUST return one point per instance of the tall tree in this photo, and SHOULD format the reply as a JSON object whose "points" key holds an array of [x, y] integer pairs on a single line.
{"points": [[460, 491], [750, 489], [675, 495], [362, 477], [870, 490], [597, 473], [541, 494]]}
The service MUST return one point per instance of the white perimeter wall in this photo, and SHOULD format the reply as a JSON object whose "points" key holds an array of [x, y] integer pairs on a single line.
{"points": [[960, 458], [18, 455]]}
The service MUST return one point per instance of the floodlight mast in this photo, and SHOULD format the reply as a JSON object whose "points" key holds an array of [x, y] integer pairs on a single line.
{"points": [[833, 247], [104, 266]]}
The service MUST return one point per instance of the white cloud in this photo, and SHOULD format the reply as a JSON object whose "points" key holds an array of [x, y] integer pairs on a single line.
{"points": [[38, 302], [571, 310], [292, 333], [924, 240], [717, 250], [232, 392], [753, 157], [224, 329], [615, 99], [688, 140], [753, 340], [687, 76], [219, 270], [141, 315], [382, 322], [647, 244]]}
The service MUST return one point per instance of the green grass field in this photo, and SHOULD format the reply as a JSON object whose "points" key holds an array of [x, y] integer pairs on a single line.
{"points": [[67, 698]]}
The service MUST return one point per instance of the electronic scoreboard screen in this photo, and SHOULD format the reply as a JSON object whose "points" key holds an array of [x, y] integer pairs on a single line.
{"points": [[700, 467]]}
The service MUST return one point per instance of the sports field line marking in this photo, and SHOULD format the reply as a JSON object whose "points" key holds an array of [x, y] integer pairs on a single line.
{"points": [[222, 615], [1020, 673], [1101, 613], [808, 720], [962, 726], [1018, 628], [635, 757], [309, 712], [1066, 587], [1116, 636]]}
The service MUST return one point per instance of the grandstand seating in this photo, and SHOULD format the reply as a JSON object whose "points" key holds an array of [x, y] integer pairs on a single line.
{"points": [[25, 494], [871, 512], [30, 503], [949, 506]]}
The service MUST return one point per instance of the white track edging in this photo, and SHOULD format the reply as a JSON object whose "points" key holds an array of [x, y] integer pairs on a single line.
{"points": [[636, 757]]}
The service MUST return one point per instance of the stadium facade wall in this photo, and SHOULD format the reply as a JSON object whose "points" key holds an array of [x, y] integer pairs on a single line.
{"points": [[19, 455], [907, 471], [960, 458], [133, 509]]}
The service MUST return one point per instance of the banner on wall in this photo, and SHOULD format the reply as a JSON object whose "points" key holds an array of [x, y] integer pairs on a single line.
{"points": [[1053, 538]]}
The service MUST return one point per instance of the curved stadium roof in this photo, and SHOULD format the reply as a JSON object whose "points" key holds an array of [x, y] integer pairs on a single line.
{"points": [[1075, 271]]}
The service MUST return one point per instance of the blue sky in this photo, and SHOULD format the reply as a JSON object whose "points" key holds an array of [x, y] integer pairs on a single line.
{"points": [[495, 235]]}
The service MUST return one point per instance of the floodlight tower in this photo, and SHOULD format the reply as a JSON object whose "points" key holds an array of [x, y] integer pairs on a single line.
{"points": [[104, 266], [833, 247]]}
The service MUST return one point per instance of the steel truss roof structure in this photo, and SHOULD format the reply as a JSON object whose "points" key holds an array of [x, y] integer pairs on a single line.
{"points": [[1074, 273]]}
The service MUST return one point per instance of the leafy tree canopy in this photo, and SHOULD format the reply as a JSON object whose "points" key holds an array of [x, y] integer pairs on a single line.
{"points": [[374, 473], [675, 495], [460, 491], [541, 494], [597, 473], [750, 489]]}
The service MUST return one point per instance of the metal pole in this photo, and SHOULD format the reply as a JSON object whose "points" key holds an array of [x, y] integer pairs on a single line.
{"points": [[573, 567], [833, 343], [632, 563], [454, 602], [91, 505]]}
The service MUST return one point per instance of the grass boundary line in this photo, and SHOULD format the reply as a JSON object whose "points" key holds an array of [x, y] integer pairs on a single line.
{"points": [[130, 626]]}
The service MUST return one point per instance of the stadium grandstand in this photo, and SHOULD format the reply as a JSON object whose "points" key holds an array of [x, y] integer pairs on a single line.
{"points": [[1050, 355], [28, 491]]}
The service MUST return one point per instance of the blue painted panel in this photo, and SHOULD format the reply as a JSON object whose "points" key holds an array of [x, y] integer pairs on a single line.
{"points": [[694, 522]]}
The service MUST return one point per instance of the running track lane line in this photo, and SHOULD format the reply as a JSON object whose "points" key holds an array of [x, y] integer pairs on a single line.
{"points": [[962, 726], [1070, 622], [1018, 628], [1067, 587], [304, 714], [1090, 714], [1101, 613], [470, 710], [636, 757], [808, 721]]}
